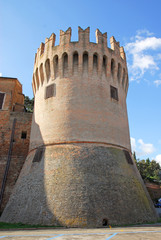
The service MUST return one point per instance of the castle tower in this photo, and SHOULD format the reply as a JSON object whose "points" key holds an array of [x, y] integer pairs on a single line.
{"points": [[79, 171]]}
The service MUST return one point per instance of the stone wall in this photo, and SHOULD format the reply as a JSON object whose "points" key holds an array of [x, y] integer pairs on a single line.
{"points": [[79, 185]]}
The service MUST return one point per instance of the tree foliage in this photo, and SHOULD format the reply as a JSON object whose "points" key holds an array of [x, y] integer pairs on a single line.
{"points": [[149, 170], [29, 104]]}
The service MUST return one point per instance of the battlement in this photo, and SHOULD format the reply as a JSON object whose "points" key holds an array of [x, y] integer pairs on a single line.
{"points": [[83, 38], [70, 58]]}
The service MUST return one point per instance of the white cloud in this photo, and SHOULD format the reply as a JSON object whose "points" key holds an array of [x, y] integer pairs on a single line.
{"points": [[141, 148], [144, 31], [0, 74], [158, 158], [149, 43], [141, 53], [145, 148], [133, 144], [157, 82]]}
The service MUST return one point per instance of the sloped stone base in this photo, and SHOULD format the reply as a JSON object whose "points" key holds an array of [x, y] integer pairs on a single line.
{"points": [[79, 185]]}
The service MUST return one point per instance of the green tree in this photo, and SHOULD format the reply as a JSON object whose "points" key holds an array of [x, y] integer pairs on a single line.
{"points": [[29, 104], [149, 170]]}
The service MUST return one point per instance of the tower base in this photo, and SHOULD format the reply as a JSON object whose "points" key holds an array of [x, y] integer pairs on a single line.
{"points": [[79, 185]]}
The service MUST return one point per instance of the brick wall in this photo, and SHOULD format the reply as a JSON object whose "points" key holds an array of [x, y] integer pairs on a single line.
{"points": [[13, 95]]}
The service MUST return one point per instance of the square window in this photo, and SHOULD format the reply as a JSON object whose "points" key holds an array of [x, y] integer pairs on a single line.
{"points": [[38, 155], [50, 91], [114, 93]]}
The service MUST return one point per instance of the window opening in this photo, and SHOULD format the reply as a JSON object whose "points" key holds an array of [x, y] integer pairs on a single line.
{"points": [[75, 62], [128, 157], [1, 99], [65, 64], [104, 64], [114, 93], [38, 155], [112, 66], [119, 72], [47, 68], [85, 62], [23, 135], [50, 91], [95, 62], [56, 66]]}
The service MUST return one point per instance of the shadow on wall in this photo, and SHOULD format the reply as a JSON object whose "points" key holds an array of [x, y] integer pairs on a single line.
{"points": [[28, 202]]}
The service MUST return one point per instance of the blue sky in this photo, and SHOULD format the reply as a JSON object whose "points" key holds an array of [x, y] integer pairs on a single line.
{"points": [[24, 24]]}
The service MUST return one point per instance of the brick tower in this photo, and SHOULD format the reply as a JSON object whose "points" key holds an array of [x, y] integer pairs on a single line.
{"points": [[79, 171]]}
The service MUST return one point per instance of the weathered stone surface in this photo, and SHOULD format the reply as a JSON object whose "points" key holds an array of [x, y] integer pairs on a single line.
{"points": [[79, 185]]}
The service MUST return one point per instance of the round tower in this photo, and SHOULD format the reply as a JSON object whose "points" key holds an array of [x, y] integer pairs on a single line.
{"points": [[79, 171]]}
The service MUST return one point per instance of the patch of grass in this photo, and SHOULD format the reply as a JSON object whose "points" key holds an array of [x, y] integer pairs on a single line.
{"points": [[4, 225], [130, 225]]}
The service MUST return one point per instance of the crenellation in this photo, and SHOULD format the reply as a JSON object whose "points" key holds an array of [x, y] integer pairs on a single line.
{"points": [[35, 58], [122, 54], [115, 45], [52, 38], [101, 38], [83, 35], [65, 37], [41, 49]]}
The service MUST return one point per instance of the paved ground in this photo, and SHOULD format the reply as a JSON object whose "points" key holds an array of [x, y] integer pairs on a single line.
{"points": [[132, 233]]}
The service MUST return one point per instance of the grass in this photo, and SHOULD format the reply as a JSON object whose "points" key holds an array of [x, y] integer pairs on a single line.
{"points": [[4, 225], [134, 224]]}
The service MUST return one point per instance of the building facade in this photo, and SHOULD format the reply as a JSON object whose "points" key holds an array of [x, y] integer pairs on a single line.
{"points": [[15, 126]]}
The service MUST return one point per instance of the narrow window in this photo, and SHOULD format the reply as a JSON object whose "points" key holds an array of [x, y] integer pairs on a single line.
{"points": [[41, 73], [123, 78], [85, 62], [50, 91], [128, 157], [37, 78], [56, 66], [23, 135], [112, 66], [114, 93], [119, 72], [47, 69], [65, 65], [104, 64], [75, 62], [38, 155], [95, 63], [1, 99]]}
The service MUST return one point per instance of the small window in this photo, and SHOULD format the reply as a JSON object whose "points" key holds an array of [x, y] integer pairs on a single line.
{"points": [[38, 155], [128, 157], [50, 91], [114, 93], [112, 66], [1, 99], [23, 135]]}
